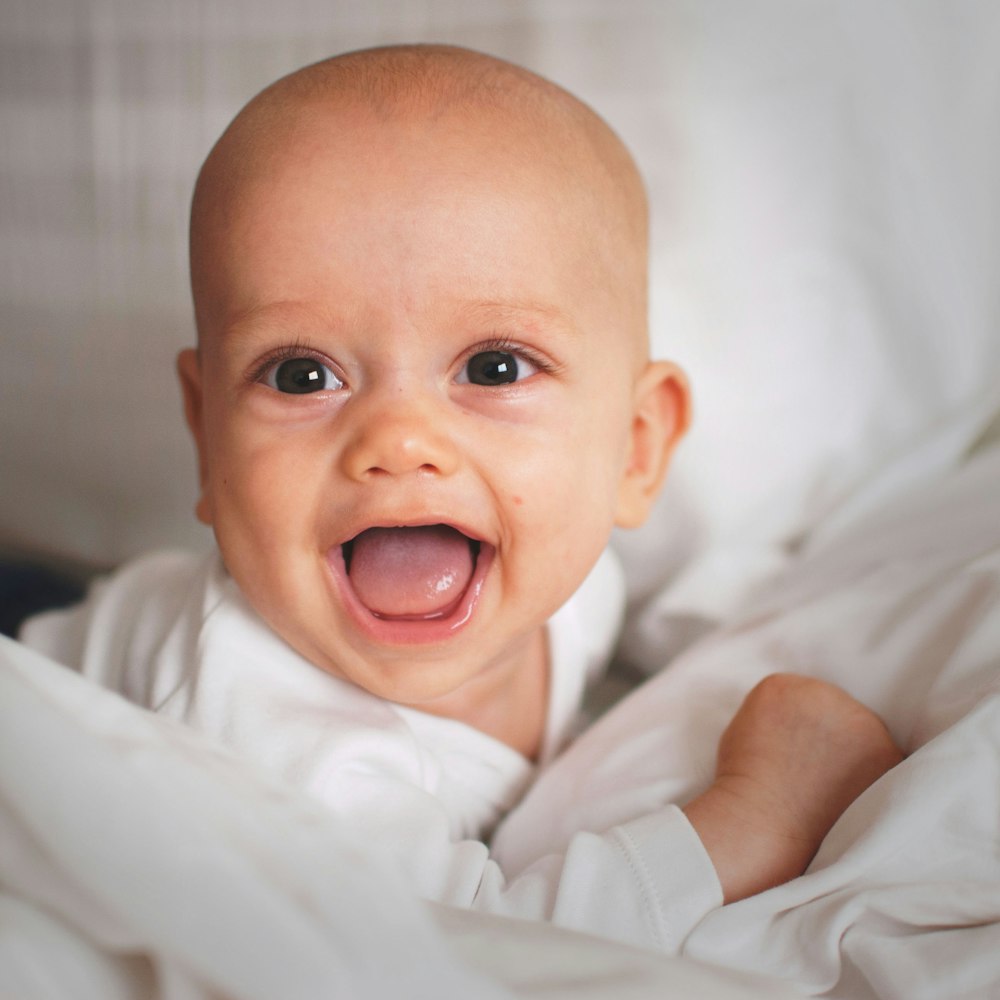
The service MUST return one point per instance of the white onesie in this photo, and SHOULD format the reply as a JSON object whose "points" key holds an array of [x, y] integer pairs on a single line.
{"points": [[172, 633]]}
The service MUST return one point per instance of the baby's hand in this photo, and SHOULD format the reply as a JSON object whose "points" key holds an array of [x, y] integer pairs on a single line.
{"points": [[797, 753]]}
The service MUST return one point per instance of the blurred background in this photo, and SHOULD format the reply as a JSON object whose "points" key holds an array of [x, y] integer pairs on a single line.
{"points": [[826, 241]]}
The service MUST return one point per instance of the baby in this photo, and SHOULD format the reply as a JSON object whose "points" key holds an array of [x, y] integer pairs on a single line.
{"points": [[421, 400]]}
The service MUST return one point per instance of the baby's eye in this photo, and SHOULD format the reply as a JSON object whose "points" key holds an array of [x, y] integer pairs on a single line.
{"points": [[496, 368], [301, 375]]}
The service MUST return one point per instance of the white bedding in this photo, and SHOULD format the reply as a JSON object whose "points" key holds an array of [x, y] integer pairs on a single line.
{"points": [[111, 818]]}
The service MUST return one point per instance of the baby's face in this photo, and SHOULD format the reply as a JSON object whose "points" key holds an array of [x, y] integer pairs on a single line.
{"points": [[407, 327]]}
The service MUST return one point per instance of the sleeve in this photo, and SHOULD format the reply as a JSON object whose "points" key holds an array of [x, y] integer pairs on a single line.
{"points": [[646, 882], [123, 617]]}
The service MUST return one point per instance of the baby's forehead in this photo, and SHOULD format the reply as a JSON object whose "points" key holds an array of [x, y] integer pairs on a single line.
{"points": [[397, 109], [419, 88]]}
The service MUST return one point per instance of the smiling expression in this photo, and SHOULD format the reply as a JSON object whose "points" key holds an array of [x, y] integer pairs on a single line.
{"points": [[419, 321]]}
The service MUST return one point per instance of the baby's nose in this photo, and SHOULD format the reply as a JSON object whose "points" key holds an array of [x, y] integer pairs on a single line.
{"points": [[400, 436]]}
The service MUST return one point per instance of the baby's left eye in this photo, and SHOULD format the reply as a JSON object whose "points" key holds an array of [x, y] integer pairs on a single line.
{"points": [[301, 375], [496, 368]]}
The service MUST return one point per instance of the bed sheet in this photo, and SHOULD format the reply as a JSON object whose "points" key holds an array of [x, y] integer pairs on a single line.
{"points": [[903, 610]]}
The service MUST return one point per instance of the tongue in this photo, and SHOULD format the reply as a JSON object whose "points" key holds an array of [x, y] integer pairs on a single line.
{"points": [[410, 572]]}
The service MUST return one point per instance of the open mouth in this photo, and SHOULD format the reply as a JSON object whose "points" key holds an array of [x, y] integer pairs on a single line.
{"points": [[411, 573], [409, 583]]}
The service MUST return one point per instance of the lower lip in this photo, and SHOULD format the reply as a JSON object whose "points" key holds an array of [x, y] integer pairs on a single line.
{"points": [[410, 631]]}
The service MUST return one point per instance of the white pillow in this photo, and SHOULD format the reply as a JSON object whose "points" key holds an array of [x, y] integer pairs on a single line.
{"points": [[826, 248]]}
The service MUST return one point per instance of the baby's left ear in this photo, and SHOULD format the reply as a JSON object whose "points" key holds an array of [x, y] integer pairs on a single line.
{"points": [[661, 414]]}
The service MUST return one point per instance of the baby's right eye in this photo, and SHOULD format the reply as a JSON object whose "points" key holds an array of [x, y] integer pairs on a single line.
{"points": [[301, 375]]}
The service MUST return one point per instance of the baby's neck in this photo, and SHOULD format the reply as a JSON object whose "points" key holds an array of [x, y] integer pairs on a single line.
{"points": [[510, 702]]}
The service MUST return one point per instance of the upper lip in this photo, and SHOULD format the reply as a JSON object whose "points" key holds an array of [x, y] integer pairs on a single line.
{"points": [[413, 522]]}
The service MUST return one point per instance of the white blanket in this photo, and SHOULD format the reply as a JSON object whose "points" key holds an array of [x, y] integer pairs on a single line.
{"points": [[903, 899]]}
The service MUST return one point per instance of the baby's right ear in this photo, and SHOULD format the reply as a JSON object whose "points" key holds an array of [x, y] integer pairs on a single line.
{"points": [[189, 372]]}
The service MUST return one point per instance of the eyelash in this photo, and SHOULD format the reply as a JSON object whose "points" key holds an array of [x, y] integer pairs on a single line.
{"points": [[299, 349], [287, 353], [504, 345]]}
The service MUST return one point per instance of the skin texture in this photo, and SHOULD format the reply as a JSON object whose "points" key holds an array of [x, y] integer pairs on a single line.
{"points": [[390, 214]]}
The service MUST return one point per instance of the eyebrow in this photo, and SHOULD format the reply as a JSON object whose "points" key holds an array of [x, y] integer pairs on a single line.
{"points": [[288, 316], [284, 314], [515, 311]]}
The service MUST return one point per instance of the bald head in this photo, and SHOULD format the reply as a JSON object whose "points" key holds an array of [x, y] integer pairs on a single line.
{"points": [[416, 91]]}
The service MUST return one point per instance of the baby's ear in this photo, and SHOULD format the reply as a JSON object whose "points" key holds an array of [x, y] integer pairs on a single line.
{"points": [[189, 372], [661, 414]]}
